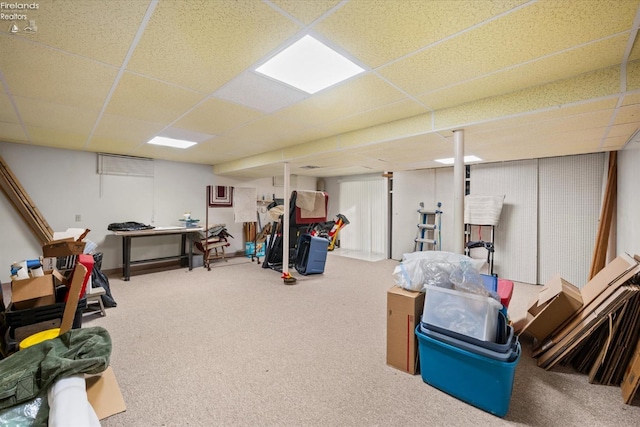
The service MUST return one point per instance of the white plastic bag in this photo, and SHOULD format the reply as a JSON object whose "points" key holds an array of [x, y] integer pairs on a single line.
{"points": [[431, 268], [446, 257], [467, 279], [408, 275]]}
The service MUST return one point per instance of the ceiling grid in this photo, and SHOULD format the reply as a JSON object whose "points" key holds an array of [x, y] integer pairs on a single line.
{"points": [[525, 79]]}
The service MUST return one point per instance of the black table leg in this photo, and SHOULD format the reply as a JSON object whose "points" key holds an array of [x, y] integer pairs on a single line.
{"points": [[183, 241], [126, 257]]}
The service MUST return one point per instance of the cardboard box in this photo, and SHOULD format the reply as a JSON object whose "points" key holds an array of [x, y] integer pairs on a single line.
{"points": [[404, 310], [33, 292], [63, 247], [556, 302], [49, 264], [104, 394]]}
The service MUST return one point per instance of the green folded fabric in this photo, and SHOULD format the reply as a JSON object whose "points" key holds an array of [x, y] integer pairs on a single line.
{"points": [[27, 373]]}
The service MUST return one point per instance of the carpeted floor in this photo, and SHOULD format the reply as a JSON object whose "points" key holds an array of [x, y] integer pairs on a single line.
{"points": [[234, 346]]}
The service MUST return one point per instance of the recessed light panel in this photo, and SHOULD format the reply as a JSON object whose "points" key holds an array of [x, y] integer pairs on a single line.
{"points": [[450, 160], [309, 65], [170, 142]]}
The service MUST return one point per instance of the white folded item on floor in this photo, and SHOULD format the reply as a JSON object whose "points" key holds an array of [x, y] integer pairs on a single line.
{"points": [[69, 405]]}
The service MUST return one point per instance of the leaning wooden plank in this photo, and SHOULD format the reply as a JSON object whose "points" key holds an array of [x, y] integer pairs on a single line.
{"points": [[22, 194], [598, 260], [27, 216], [24, 205], [23, 199], [16, 193]]}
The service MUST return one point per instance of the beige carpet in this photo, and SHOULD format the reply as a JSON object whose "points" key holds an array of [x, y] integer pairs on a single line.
{"points": [[234, 346]]}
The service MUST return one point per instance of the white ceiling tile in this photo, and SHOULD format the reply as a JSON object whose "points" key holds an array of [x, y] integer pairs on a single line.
{"points": [[260, 93]]}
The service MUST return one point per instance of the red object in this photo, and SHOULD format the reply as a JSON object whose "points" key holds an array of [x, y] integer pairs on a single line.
{"points": [[505, 290], [87, 261]]}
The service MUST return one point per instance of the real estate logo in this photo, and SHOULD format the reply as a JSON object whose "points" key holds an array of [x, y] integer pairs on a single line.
{"points": [[18, 15]]}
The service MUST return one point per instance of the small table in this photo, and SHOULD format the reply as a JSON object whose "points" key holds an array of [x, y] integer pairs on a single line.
{"points": [[158, 231]]}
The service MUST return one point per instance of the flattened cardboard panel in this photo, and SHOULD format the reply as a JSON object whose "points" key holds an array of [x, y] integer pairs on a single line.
{"points": [[631, 379], [104, 394], [589, 322], [609, 274]]}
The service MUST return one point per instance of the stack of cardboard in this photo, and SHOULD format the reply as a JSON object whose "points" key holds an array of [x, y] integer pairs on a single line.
{"points": [[595, 328]]}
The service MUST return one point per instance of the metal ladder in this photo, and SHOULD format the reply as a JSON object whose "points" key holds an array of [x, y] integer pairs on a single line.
{"points": [[428, 235]]}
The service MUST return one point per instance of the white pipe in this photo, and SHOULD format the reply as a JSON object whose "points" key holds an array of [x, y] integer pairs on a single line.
{"points": [[285, 223], [458, 191]]}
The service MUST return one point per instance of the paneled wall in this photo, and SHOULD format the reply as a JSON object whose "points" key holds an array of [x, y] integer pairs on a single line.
{"points": [[515, 253], [628, 207], [570, 191], [548, 221], [364, 203]]}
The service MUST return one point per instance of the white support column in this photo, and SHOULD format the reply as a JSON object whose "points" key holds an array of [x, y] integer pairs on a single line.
{"points": [[285, 223], [458, 191]]}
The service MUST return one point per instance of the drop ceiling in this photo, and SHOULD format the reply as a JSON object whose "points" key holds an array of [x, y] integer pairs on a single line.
{"points": [[523, 79]]}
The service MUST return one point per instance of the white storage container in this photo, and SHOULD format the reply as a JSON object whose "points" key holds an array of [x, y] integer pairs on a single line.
{"points": [[462, 312]]}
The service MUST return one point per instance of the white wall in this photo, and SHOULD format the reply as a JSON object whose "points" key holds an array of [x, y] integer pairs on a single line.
{"points": [[409, 190], [332, 187], [64, 183], [628, 207]]}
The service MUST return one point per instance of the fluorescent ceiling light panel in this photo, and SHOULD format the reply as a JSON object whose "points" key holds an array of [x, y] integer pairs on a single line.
{"points": [[309, 65], [170, 142], [186, 135], [467, 159]]}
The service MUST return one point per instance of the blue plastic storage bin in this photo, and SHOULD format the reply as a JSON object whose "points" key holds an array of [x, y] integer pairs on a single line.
{"points": [[509, 354], [478, 380], [505, 342], [312, 254], [490, 282]]}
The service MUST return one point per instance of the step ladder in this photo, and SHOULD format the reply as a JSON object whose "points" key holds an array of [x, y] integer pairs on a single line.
{"points": [[428, 236]]}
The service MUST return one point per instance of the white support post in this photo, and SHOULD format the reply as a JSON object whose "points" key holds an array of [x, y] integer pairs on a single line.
{"points": [[458, 192], [285, 223]]}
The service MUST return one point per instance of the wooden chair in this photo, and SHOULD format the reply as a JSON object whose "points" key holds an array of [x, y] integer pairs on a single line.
{"points": [[213, 247]]}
